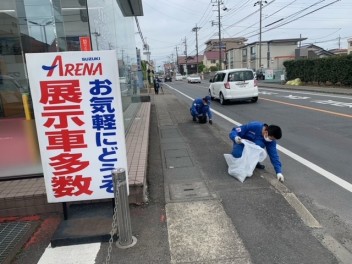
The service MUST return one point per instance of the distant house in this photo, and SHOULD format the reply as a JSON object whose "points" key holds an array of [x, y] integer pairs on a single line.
{"points": [[211, 58], [189, 63], [226, 43], [211, 53], [338, 51], [349, 47], [273, 54], [169, 68], [312, 51]]}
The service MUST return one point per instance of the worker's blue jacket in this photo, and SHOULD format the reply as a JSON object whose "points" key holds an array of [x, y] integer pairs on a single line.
{"points": [[199, 108], [253, 132]]}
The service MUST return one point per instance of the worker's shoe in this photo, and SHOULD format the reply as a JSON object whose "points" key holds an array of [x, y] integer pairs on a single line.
{"points": [[260, 166], [194, 119]]}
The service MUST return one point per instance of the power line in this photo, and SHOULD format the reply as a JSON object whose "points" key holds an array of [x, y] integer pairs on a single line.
{"points": [[299, 17]]}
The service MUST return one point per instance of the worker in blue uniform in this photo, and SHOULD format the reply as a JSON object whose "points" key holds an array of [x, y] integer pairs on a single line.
{"points": [[200, 109], [262, 135]]}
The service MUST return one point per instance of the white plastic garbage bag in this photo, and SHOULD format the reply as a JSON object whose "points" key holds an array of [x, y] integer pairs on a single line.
{"points": [[243, 167]]}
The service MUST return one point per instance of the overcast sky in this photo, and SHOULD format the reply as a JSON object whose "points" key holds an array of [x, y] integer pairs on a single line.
{"points": [[166, 23]]}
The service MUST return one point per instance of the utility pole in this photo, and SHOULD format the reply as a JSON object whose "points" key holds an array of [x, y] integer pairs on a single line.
{"points": [[185, 42], [260, 3], [219, 2], [219, 23], [195, 29], [177, 59]]}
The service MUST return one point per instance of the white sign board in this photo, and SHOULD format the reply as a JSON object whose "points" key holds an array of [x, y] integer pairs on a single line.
{"points": [[78, 113], [269, 74]]}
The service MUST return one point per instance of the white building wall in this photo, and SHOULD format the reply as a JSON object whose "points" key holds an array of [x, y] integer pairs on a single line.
{"points": [[349, 46], [278, 54], [235, 58]]}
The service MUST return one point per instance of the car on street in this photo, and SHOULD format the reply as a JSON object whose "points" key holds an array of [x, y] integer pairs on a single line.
{"points": [[193, 79], [168, 78], [178, 77], [234, 84], [122, 79]]}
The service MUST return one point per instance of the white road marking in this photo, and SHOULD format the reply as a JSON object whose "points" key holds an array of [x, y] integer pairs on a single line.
{"points": [[268, 93], [295, 97], [328, 175], [309, 93], [75, 254], [334, 103]]}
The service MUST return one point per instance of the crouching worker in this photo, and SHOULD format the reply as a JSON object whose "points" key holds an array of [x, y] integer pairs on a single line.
{"points": [[200, 109], [262, 135]]}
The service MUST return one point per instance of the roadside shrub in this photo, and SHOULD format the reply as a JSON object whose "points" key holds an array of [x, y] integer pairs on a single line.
{"points": [[334, 70]]}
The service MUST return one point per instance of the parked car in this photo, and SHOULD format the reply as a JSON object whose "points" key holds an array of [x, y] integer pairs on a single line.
{"points": [[168, 78], [234, 84], [178, 77], [194, 79], [122, 79]]}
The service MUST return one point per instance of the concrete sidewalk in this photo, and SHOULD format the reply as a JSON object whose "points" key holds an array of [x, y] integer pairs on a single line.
{"points": [[197, 213]]}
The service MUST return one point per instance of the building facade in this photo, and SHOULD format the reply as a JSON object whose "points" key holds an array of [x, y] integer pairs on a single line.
{"points": [[349, 46], [187, 66], [33, 26], [273, 54], [212, 54]]}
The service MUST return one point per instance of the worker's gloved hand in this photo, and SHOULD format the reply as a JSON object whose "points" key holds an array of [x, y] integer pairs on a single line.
{"points": [[238, 140], [280, 177], [210, 121]]}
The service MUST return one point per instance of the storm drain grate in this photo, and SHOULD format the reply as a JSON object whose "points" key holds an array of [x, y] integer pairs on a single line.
{"points": [[184, 191], [11, 234]]}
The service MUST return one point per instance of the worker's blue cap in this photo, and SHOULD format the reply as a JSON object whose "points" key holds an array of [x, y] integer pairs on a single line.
{"points": [[207, 99]]}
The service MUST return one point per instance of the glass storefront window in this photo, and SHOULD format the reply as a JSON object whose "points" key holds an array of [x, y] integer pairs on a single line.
{"points": [[36, 26]]}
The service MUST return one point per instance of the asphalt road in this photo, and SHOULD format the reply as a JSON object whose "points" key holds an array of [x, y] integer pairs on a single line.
{"points": [[315, 148]]}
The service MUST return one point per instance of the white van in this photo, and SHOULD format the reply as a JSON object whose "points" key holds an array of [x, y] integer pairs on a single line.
{"points": [[234, 84], [178, 77]]}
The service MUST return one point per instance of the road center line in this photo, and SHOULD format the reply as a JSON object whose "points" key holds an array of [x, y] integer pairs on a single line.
{"points": [[308, 107], [332, 177]]}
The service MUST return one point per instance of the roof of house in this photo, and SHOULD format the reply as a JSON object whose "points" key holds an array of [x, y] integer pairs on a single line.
{"points": [[338, 51], [317, 50], [309, 46], [213, 55], [190, 59], [278, 41], [240, 39]]}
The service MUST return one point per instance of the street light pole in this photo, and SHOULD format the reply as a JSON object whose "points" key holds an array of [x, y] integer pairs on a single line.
{"points": [[97, 34], [46, 40], [42, 26]]}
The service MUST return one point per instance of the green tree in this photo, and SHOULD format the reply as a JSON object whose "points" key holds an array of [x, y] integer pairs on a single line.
{"points": [[201, 67], [213, 68], [144, 69]]}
